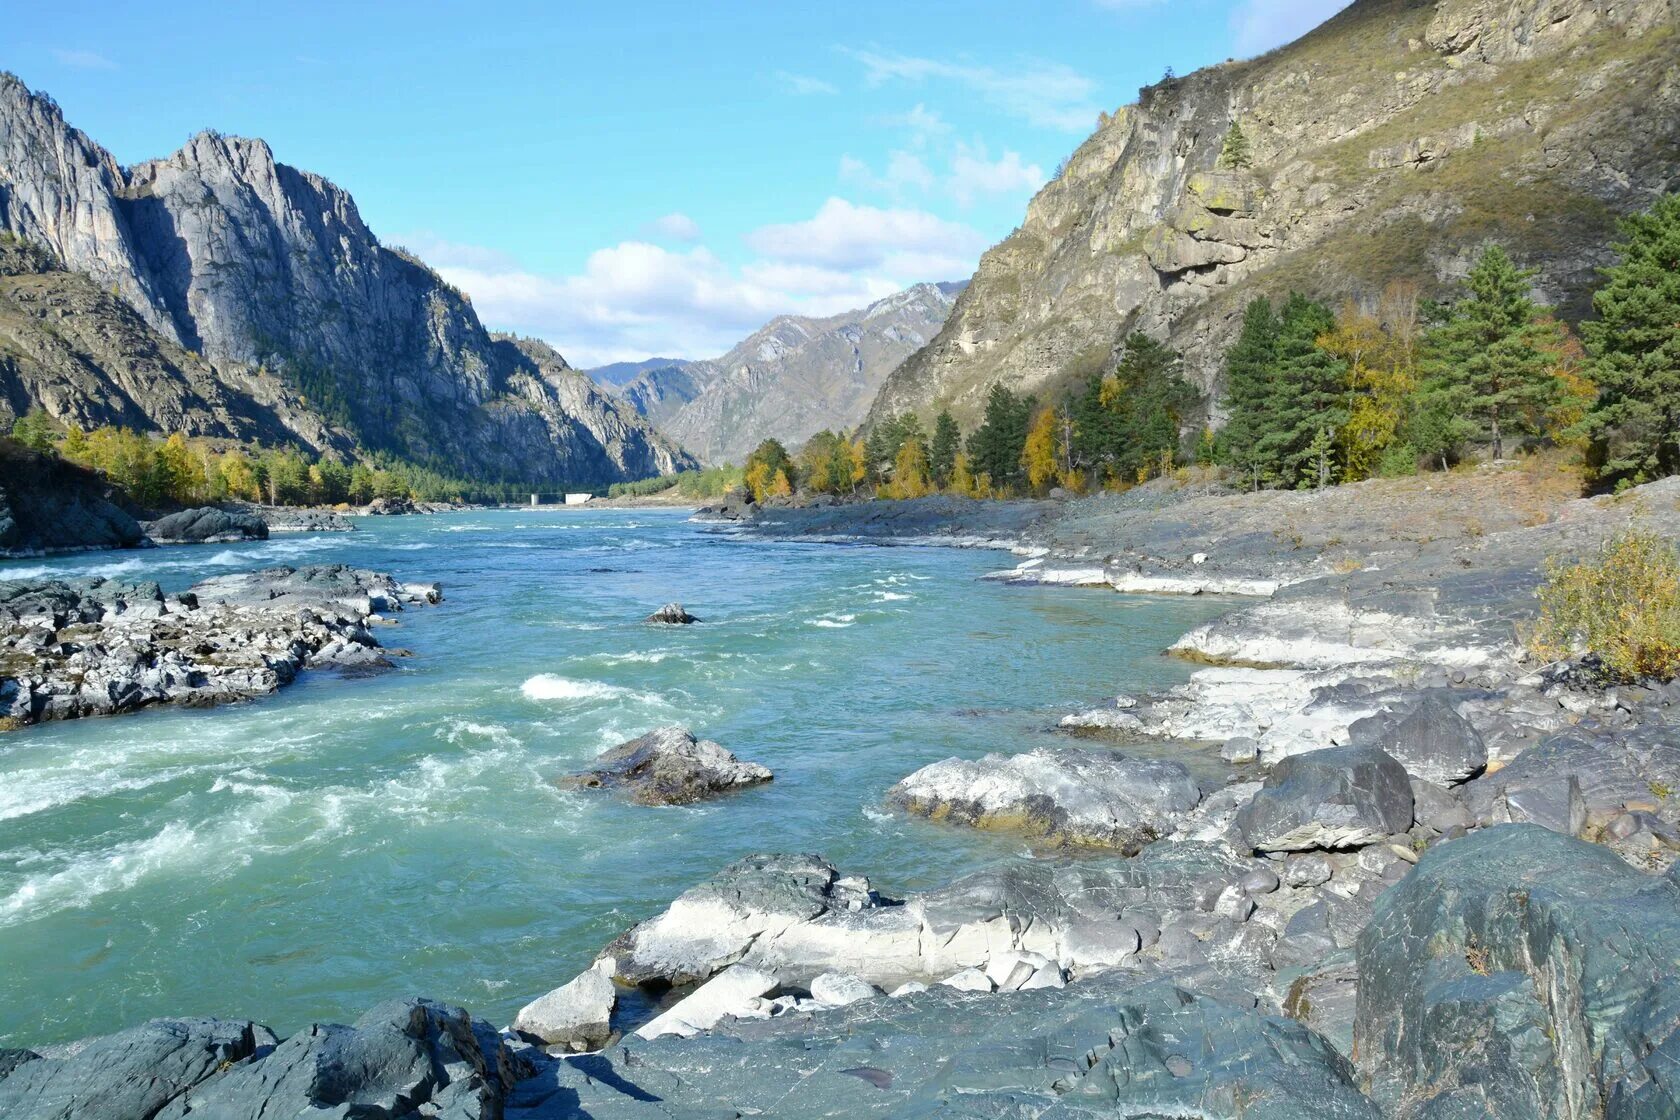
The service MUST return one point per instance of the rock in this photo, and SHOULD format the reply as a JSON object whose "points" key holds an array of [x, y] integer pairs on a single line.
{"points": [[841, 989], [969, 980], [1070, 795], [1437, 808], [1261, 880], [1325, 997], [288, 519], [134, 1073], [1578, 779], [1521, 972], [1432, 741], [1341, 797], [49, 505], [577, 1014], [1306, 869], [207, 525], [1240, 749], [672, 614], [727, 993], [909, 988], [669, 766], [101, 647]]}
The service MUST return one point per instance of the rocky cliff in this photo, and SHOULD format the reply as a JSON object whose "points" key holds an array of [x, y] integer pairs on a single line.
{"points": [[264, 279], [1390, 143], [790, 379]]}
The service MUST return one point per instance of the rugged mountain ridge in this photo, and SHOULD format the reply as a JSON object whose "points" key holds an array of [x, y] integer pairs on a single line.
{"points": [[270, 283], [1390, 143], [791, 378]]}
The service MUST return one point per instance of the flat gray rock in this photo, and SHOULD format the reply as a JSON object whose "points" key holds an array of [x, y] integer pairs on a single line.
{"points": [[1069, 795], [1431, 740], [207, 525]]}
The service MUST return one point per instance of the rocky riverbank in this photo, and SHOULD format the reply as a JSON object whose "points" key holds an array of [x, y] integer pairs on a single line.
{"points": [[78, 648], [1413, 875]]}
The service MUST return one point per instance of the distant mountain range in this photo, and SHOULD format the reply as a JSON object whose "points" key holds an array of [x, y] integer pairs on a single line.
{"points": [[790, 379], [225, 294]]}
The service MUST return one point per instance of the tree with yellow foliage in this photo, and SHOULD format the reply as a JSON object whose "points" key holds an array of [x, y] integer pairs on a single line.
{"points": [[1380, 380], [1038, 457]]}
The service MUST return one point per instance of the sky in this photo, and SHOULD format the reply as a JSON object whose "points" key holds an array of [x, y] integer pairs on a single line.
{"points": [[643, 179]]}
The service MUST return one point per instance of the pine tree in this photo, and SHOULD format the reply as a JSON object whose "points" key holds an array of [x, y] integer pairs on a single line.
{"points": [[1634, 349], [1248, 377], [34, 429], [942, 453], [995, 446], [1306, 403], [1233, 153], [1491, 355]]}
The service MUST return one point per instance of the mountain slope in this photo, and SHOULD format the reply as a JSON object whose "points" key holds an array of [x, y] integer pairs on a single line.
{"points": [[1389, 143], [260, 271], [615, 374], [790, 379]]}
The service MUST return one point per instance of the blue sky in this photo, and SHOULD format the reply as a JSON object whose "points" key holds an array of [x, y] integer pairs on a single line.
{"points": [[646, 178]]}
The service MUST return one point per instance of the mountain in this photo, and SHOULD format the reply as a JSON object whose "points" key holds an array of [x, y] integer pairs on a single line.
{"points": [[614, 374], [791, 378], [1390, 143], [262, 305]]}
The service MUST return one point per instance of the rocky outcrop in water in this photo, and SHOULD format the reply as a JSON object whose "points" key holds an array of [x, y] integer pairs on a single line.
{"points": [[669, 766], [207, 525], [70, 649], [1388, 144], [791, 379], [257, 285], [48, 505]]}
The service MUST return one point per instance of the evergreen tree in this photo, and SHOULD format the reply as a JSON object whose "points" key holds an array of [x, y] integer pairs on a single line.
{"points": [[942, 453], [1634, 349], [1489, 361], [995, 447], [1248, 381], [1233, 153], [34, 429], [1306, 406]]}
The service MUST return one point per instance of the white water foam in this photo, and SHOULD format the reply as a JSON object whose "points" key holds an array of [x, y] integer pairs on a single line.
{"points": [[549, 686]]}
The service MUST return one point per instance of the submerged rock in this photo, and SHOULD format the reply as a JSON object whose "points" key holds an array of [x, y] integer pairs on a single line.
{"points": [[1071, 796], [672, 614], [1341, 797], [669, 767], [1522, 973], [207, 525]]}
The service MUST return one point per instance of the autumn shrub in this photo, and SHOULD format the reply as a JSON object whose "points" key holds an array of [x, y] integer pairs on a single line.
{"points": [[1622, 606]]}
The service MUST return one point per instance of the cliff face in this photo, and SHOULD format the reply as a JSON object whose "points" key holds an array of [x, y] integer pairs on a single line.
{"points": [[1388, 144], [790, 379], [259, 270]]}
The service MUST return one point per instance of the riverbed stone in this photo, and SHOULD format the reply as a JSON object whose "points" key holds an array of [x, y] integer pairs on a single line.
{"points": [[1070, 795], [207, 525], [841, 989], [1340, 797], [730, 992], [672, 614], [1431, 740], [578, 1014], [1522, 972], [669, 766]]}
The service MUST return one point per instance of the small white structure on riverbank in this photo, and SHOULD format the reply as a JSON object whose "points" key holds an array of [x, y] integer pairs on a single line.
{"points": [[578, 499]]}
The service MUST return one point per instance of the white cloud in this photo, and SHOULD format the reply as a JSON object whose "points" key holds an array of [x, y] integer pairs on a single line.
{"points": [[83, 60], [1259, 25], [804, 84], [676, 227], [636, 299], [924, 123], [1046, 94], [905, 170], [974, 174], [844, 235]]}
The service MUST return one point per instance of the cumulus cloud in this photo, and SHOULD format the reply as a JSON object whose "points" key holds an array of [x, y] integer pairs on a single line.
{"points": [[1045, 94], [974, 174], [83, 59], [804, 84], [675, 227], [1259, 25], [637, 298]]}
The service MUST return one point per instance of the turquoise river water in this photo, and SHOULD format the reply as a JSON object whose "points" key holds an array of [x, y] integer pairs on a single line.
{"points": [[352, 839]]}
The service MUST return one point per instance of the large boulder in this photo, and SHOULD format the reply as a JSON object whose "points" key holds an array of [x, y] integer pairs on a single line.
{"points": [[577, 1015], [133, 1073], [1580, 780], [669, 767], [1432, 740], [207, 525], [672, 614], [1341, 797], [1518, 972], [1070, 796]]}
